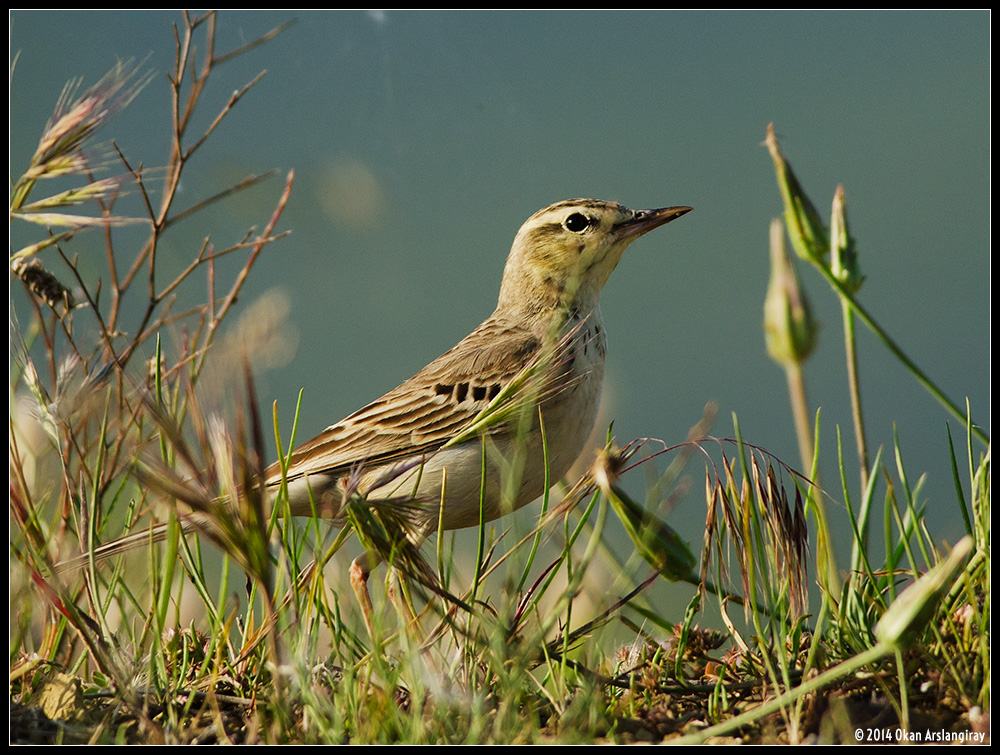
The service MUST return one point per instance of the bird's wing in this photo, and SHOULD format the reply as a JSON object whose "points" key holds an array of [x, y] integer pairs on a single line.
{"points": [[426, 411]]}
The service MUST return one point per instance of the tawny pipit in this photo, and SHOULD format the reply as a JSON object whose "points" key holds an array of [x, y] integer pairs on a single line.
{"points": [[540, 354]]}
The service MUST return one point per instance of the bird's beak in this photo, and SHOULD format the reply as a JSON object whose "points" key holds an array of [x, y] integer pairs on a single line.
{"points": [[646, 220]]}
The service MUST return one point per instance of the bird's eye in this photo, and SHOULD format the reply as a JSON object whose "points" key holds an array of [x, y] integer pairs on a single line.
{"points": [[577, 222]]}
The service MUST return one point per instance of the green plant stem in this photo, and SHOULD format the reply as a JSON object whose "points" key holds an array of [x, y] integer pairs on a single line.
{"points": [[800, 412], [777, 703], [897, 352], [850, 348]]}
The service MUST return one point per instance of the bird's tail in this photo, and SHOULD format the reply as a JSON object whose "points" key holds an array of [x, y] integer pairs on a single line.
{"points": [[154, 534]]}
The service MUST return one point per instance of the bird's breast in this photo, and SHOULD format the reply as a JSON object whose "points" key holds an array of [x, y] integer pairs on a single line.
{"points": [[570, 415]]}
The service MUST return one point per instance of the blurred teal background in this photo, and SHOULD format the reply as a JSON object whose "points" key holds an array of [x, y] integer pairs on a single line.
{"points": [[422, 140]]}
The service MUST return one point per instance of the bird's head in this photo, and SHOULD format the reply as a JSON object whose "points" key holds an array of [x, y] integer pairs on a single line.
{"points": [[564, 254]]}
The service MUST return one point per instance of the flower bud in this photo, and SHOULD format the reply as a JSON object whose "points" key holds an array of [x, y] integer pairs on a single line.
{"points": [[843, 252], [789, 329], [916, 605], [806, 230]]}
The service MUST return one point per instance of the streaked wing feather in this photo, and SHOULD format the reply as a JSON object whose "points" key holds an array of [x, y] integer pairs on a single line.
{"points": [[426, 411]]}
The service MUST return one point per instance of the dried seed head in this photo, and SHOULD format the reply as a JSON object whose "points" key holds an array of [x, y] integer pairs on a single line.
{"points": [[75, 120], [42, 283]]}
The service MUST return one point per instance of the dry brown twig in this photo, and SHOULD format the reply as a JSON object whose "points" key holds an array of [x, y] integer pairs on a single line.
{"points": [[76, 339]]}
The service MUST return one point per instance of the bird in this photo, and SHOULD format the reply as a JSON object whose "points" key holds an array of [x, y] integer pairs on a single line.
{"points": [[462, 440]]}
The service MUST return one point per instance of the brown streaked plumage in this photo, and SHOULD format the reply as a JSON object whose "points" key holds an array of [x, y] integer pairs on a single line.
{"points": [[405, 445]]}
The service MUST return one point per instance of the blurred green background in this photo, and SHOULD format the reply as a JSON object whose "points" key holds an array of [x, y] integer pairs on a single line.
{"points": [[422, 140]]}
